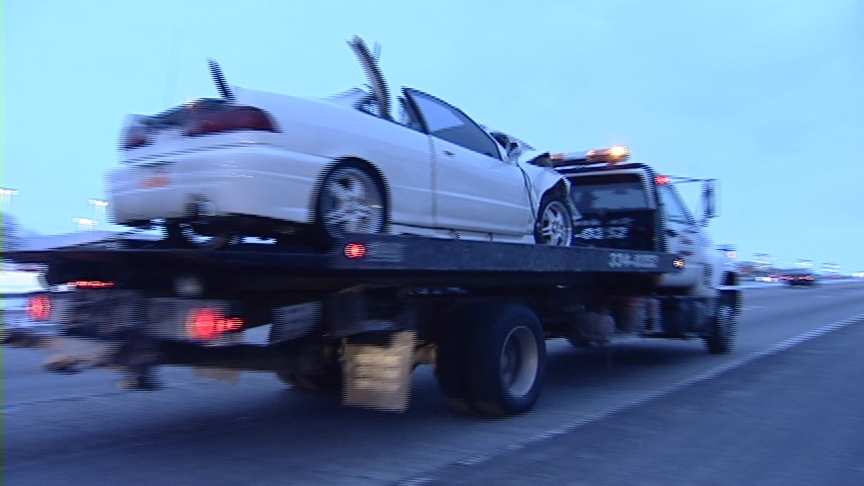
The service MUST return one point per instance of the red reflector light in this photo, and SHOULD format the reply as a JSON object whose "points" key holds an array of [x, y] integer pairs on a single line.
{"points": [[92, 284], [355, 251], [207, 323], [39, 308], [661, 180]]}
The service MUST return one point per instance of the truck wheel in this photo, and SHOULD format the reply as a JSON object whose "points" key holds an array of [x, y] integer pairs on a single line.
{"points": [[723, 327], [554, 225], [351, 200], [507, 361], [327, 382]]}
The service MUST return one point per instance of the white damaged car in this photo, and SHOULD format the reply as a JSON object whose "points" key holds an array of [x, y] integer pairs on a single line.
{"points": [[268, 165]]}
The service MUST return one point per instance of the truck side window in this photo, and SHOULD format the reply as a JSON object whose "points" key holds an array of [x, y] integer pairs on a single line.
{"points": [[675, 208]]}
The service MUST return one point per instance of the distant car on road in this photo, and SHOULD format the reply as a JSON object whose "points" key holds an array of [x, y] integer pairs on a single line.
{"points": [[798, 278]]}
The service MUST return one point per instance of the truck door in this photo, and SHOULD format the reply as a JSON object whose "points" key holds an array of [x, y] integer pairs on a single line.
{"points": [[683, 236]]}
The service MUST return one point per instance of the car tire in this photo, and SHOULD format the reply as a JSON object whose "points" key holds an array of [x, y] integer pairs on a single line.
{"points": [[554, 223], [351, 199], [185, 235]]}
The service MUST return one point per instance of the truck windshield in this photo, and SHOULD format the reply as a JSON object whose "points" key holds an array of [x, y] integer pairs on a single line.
{"points": [[613, 192]]}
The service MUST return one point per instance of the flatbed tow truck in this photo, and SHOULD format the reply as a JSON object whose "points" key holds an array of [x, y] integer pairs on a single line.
{"points": [[359, 316]]}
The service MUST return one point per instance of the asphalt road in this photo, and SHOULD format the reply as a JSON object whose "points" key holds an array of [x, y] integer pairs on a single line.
{"points": [[786, 408]]}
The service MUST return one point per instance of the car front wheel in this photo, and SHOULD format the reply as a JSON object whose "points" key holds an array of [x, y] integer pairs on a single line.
{"points": [[554, 224]]}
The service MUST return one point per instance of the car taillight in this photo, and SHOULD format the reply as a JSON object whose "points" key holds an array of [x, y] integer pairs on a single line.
{"points": [[39, 308], [235, 118], [135, 136], [208, 323]]}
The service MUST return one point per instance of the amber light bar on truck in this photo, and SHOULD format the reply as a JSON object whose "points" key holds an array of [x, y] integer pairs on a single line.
{"points": [[611, 155]]}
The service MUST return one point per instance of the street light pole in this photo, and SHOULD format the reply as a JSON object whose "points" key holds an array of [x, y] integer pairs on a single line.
{"points": [[99, 207], [6, 195], [85, 224]]}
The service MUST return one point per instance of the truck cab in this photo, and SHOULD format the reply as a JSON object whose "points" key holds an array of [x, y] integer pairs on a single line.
{"points": [[627, 205]]}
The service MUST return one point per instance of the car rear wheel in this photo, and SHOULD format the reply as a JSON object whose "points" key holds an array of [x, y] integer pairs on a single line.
{"points": [[554, 224], [351, 200]]}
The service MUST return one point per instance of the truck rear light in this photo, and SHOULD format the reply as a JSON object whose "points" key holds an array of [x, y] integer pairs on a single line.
{"points": [[207, 323], [229, 119], [92, 284], [39, 308], [355, 251]]}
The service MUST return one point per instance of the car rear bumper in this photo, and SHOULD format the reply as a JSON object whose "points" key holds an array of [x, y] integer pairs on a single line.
{"points": [[247, 180]]}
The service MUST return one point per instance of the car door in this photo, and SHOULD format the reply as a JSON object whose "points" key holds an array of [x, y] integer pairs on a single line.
{"points": [[474, 188]]}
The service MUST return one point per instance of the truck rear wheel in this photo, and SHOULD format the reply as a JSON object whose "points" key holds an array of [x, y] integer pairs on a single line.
{"points": [[329, 381], [507, 361]]}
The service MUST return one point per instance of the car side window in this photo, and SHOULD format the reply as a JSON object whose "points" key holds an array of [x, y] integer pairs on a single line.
{"points": [[675, 208], [408, 115], [451, 124]]}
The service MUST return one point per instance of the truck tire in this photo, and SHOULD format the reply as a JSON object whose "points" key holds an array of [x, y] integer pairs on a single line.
{"points": [[507, 360], [329, 381], [723, 327]]}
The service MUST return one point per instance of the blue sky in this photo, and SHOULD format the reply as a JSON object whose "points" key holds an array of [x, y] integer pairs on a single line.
{"points": [[765, 96]]}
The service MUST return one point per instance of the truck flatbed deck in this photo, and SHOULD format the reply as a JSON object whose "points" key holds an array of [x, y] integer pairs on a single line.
{"points": [[353, 260]]}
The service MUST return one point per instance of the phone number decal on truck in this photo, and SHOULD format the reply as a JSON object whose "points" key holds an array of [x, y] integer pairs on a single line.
{"points": [[627, 260]]}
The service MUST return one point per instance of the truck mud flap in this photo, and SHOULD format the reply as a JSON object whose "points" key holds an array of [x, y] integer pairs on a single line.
{"points": [[378, 369]]}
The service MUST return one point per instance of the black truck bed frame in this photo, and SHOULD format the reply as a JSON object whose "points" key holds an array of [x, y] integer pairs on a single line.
{"points": [[351, 261]]}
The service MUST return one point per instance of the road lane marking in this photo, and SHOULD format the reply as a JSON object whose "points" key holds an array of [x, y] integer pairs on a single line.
{"points": [[429, 476]]}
